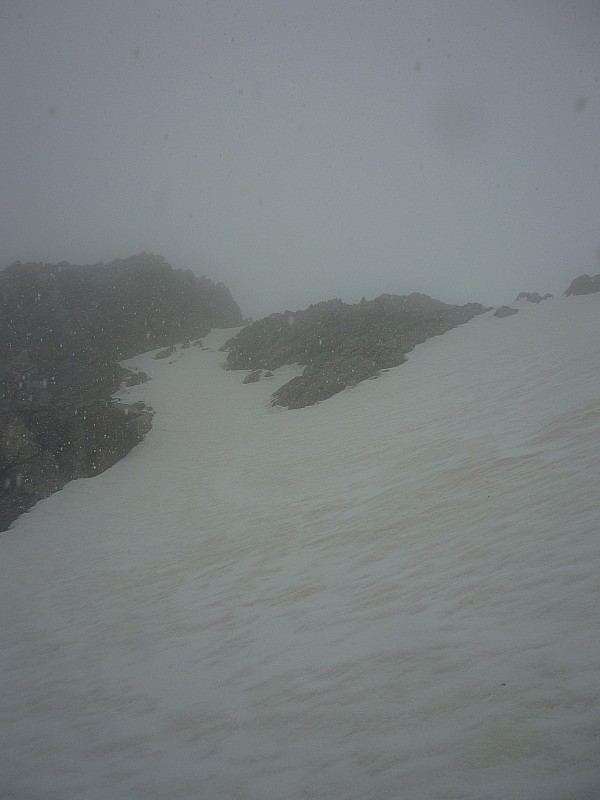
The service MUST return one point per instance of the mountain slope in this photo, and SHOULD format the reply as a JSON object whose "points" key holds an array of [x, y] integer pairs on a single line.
{"points": [[391, 594], [62, 330]]}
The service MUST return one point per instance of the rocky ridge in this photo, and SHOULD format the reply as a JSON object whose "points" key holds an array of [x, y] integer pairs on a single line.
{"points": [[340, 344], [63, 329]]}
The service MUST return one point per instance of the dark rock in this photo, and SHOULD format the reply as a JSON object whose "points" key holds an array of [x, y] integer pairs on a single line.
{"points": [[130, 408], [185, 344], [584, 284], [548, 296], [531, 297], [198, 343], [268, 374], [135, 378], [119, 309], [166, 353], [63, 330], [340, 345], [505, 311], [42, 449], [17, 443], [253, 377]]}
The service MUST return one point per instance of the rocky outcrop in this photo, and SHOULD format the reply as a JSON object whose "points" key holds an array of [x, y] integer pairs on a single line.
{"points": [[119, 309], [53, 432], [584, 284], [253, 377], [166, 353], [339, 344], [532, 297], [135, 377], [63, 330], [505, 311]]}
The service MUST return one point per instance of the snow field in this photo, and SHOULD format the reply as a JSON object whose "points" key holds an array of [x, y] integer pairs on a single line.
{"points": [[392, 594]]}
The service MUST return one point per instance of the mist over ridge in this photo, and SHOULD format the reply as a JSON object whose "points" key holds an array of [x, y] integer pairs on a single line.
{"points": [[299, 152]]}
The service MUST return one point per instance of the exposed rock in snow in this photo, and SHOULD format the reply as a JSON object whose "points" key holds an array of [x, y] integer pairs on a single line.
{"points": [[584, 284], [166, 353], [341, 345], [393, 594], [135, 377], [253, 376], [505, 311], [62, 330], [532, 297]]}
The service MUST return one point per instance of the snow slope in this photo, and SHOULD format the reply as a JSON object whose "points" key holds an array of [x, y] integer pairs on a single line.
{"points": [[392, 594]]}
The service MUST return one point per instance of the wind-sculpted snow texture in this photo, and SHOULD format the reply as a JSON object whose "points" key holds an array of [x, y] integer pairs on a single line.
{"points": [[342, 344], [393, 594]]}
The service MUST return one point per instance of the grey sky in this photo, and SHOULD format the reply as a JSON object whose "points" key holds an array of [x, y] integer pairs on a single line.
{"points": [[310, 149]]}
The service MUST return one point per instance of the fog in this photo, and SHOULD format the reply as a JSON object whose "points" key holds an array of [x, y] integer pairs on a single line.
{"points": [[300, 151]]}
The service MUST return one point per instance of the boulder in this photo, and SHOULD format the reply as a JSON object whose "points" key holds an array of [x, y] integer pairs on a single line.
{"points": [[505, 311], [166, 353], [531, 297], [584, 284], [253, 376], [135, 378]]}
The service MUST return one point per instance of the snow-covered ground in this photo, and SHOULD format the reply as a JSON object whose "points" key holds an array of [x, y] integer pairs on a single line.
{"points": [[392, 594]]}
